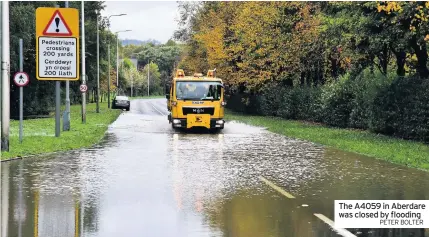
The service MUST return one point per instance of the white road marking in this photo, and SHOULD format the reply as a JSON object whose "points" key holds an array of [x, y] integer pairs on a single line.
{"points": [[156, 109], [340, 231], [275, 187], [328, 221]]}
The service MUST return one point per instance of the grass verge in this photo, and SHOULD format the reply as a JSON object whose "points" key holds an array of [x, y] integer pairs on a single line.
{"points": [[39, 134], [409, 153]]}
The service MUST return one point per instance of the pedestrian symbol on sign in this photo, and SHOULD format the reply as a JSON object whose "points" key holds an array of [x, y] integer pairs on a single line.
{"points": [[21, 79]]}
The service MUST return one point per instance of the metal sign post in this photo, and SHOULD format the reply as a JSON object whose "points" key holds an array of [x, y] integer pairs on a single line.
{"points": [[21, 79], [57, 49], [66, 116], [83, 62], [83, 88], [108, 77], [98, 65], [148, 66], [5, 74]]}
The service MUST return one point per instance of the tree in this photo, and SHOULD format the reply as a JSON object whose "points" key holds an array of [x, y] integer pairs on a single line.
{"points": [[165, 56], [155, 87], [251, 43], [410, 22]]}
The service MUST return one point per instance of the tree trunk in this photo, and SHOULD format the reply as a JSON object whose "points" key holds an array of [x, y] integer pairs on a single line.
{"points": [[422, 58], [385, 60], [309, 77], [334, 66], [400, 62], [322, 73], [302, 82]]}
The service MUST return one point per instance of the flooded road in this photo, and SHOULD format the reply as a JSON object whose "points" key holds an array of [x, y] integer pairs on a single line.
{"points": [[145, 179]]}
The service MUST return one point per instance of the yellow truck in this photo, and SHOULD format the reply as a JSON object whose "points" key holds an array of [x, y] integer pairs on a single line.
{"points": [[196, 101]]}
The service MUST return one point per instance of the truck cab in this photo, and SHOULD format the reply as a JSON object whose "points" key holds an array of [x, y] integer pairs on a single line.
{"points": [[196, 101]]}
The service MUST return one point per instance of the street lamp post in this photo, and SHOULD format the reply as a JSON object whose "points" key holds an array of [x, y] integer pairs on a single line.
{"points": [[83, 63], [117, 59], [148, 66], [98, 65], [5, 74], [117, 63], [108, 52]]}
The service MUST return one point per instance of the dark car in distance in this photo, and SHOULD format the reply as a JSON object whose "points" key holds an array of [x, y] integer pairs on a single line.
{"points": [[121, 102]]}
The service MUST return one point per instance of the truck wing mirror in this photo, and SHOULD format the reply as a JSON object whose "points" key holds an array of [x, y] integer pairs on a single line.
{"points": [[167, 96]]}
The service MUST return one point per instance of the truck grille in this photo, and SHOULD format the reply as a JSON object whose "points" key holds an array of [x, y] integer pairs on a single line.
{"points": [[198, 110]]}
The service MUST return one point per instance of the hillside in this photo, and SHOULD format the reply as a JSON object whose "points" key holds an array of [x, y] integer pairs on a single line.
{"points": [[139, 42]]}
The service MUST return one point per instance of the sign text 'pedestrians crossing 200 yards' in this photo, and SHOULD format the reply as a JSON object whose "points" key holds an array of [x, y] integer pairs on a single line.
{"points": [[57, 57], [57, 33]]}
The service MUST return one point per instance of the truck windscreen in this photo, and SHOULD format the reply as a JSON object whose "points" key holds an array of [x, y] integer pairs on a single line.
{"points": [[198, 90]]}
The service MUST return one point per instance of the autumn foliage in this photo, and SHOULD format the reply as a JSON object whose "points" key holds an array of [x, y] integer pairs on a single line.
{"points": [[251, 43]]}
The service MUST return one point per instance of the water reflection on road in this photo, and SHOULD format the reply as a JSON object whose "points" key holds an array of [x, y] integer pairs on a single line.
{"points": [[147, 180]]}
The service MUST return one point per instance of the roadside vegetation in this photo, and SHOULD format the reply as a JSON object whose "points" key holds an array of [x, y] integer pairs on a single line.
{"points": [[39, 134], [350, 65]]}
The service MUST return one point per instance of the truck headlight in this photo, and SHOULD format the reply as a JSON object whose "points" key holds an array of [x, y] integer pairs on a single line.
{"points": [[219, 122], [176, 121], [223, 103]]}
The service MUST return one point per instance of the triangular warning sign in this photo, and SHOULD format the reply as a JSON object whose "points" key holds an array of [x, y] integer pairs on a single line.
{"points": [[57, 26]]}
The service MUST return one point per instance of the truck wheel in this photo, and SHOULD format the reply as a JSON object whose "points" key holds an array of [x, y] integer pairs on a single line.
{"points": [[128, 108]]}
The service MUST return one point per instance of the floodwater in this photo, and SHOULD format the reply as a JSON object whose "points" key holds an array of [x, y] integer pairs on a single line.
{"points": [[147, 180]]}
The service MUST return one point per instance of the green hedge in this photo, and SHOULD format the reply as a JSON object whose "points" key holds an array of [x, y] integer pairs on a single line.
{"points": [[388, 105], [402, 109]]}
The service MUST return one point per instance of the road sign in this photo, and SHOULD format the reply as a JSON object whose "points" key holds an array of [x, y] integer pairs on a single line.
{"points": [[21, 79], [57, 26], [57, 44], [83, 88]]}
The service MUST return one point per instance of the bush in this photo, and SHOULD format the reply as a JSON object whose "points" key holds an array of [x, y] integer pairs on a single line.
{"points": [[286, 108], [338, 99], [308, 103], [397, 107], [365, 88], [269, 100], [401, 109]]}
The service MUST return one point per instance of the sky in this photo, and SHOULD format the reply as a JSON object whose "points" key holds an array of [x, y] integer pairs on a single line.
{"points": [[147, 19]]}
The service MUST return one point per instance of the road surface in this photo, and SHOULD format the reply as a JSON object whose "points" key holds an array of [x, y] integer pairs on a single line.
{"points": [[145, 179]]}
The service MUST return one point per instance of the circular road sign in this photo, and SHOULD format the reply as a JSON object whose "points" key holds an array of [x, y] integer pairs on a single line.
{"points": [[21, 79], [83, 88]]}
